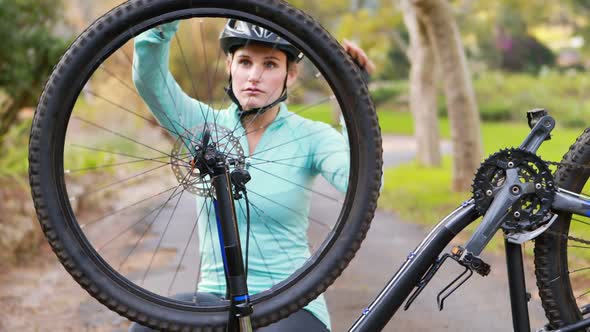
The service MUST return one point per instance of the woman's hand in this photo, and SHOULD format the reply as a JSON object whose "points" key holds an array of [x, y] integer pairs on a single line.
{"points": [[359, 56]]}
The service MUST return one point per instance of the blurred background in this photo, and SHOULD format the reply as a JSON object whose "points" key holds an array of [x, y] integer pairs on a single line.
{"points": [[441, 65]]}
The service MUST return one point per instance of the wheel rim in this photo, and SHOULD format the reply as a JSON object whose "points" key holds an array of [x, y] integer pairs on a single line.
{"points": [[84, 232]]}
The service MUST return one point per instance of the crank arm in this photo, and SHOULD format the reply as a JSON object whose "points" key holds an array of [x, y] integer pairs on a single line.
{"points": [[496, 214]]}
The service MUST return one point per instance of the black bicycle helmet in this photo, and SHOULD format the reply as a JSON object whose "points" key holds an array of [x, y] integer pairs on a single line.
{"points": [[239, 33]]}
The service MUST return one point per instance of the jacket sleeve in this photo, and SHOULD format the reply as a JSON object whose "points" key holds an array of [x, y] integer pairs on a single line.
{"points": [[330, 154], [172, 107]]}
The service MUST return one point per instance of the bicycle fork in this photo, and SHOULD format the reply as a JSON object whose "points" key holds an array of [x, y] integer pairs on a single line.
{"points": [[237, 288], [210, 161]]}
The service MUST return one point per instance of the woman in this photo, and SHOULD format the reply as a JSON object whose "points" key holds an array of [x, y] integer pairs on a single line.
{"points": [[261, 66]]}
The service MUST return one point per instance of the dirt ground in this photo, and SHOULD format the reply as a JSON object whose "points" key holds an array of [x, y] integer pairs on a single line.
{"points": [[43, 297]]}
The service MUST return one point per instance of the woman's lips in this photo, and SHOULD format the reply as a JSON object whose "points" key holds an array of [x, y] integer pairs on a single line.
{"points": [[252, 90]]}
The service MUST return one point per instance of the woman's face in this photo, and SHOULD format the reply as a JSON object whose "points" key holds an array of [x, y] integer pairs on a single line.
{"points": [[258, 74]]}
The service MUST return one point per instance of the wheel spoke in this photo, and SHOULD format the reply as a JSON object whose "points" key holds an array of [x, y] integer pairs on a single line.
{"points": [[110, 73], [139, 221], [261, 212], [290, 209], [282, 120], [200, 265], [161, 238], [127, 207], [94, 168], [116, 183], [78, 146], [274, 282], [288, 142], [581, 221], [184, 251], [127, 110], [120, 135], [300, 186], [161, 111], [585, 293], [265, 161], [149, 226], [579, 270], [193, 83], [276, 240], [209, 88], [325, 172]]}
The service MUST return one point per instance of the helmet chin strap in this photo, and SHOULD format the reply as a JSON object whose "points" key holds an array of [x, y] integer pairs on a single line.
{"points": [[259, 110]]}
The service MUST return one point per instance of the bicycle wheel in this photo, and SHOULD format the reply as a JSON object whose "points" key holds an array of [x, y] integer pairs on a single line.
{"points": [[561, 264], [115, 198]]}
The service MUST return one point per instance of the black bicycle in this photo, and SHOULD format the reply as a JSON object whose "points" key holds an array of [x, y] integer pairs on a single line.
{"points": [[115, 190]]}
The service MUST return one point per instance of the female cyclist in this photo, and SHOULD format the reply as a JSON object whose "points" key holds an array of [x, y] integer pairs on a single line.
{"points": [[261, 66]]}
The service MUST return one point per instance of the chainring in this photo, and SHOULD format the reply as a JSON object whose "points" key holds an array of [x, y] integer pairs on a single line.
{"points": [[532, 209]]}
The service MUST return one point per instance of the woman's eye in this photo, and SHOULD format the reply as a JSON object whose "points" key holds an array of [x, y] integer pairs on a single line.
{"points": [[270, 65], [244, 62]]}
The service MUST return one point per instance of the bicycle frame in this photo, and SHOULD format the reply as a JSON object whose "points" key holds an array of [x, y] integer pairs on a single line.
{"points": [[384, 307], [423, 258]]}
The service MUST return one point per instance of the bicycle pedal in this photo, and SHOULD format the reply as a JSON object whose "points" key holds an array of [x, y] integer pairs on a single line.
{"points": [[471, 261]]}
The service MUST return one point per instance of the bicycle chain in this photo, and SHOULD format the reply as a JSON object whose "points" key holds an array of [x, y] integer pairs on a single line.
{"points": [[562, 164], [569, 237], [555, 163]]}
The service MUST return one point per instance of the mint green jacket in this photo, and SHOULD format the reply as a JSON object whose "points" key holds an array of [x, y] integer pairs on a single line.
{"points": [[279, 199]]}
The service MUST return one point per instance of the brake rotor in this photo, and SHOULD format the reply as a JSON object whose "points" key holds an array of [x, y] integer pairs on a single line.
{"points": [[187, 147]]}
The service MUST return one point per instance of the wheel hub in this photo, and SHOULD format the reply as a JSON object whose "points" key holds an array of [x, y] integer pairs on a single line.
{"points": [[198, 150]]}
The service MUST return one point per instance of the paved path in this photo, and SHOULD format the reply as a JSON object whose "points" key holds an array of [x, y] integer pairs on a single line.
{"points": [[55, 302], [482, 304]]}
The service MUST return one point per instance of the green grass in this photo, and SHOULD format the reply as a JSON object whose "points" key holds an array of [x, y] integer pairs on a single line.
{"points": [[391, 122], [496, 135]]}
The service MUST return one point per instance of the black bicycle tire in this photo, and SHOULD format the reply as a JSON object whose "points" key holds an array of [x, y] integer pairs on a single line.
{"points": [[551, 260], [53, 213]]}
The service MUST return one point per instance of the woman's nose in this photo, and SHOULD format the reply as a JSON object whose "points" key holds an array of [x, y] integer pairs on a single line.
{"points": [[255, 74]]}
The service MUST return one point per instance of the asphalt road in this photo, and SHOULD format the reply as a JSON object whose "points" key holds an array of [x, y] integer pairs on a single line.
{"points": [[481, 304]]}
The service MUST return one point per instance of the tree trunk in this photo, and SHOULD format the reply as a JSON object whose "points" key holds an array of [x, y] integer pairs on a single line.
{"points": [[422, 89], [8, 117], [460, 98]]}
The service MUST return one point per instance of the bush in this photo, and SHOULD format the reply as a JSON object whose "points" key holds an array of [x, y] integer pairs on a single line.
{"points": [[390, 92], [508, 96], [14, 161], [503, 96]]}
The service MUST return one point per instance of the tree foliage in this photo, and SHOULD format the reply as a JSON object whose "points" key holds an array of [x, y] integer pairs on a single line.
{"points": [[380, 32], [29, 50]]}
